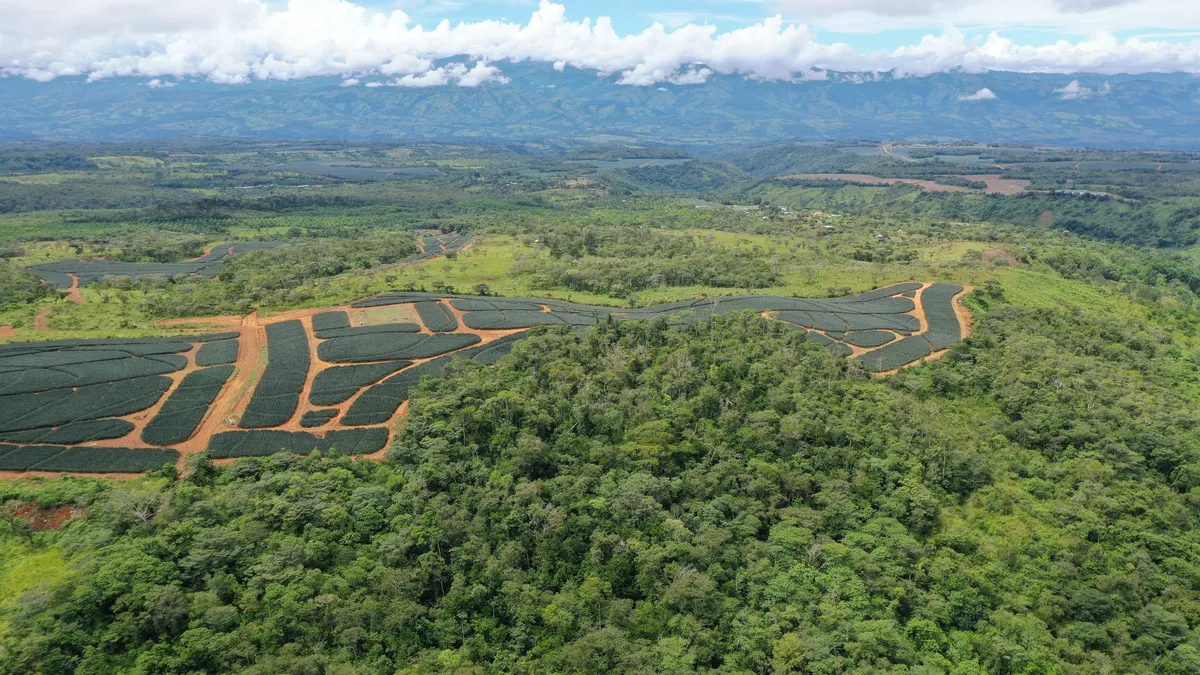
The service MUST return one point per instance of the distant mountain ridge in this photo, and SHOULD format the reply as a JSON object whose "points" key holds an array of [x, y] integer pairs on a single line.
{"points": [[1124, 111]]}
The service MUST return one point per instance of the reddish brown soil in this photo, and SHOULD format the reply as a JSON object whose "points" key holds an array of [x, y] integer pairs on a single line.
{"points": [[41, 322], [1001, 256], [7, 332], [43, 520], [74, 293], [202, 323]]}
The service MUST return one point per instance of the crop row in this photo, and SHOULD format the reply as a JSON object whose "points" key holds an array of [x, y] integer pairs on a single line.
{"points": [[510, 319], [15, 348], [71, 433], [92, 271], [493, 304], [278, 392], [436, 317], [896, 354], [59, 407], [217, 353], [868, 338], [318, 418], [185, 408], [836, 348], [369, 330], [268, 442], [83, 460], [378, 404], [330, 321], [108, 367], [938, 302], [337, 384], [359, 348]]}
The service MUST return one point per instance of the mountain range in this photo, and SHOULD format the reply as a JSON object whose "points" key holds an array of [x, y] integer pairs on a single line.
{"points": [[538, 102]]}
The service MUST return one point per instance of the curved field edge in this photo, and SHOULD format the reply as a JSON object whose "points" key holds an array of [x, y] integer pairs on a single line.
{"points": [[376, 403]]}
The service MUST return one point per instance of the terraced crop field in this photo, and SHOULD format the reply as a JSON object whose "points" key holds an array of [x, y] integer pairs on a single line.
{"points": [[324, 380], [92, 270]]}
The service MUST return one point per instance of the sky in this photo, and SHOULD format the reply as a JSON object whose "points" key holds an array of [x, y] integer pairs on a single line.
{"points": [[645, 43]]}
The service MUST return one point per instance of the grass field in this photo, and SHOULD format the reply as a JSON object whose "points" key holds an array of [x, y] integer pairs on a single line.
{"points": [[23, 568]]}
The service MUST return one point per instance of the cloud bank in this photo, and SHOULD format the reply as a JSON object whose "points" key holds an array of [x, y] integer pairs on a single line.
{"points": [[238, 41], [984, 94]]}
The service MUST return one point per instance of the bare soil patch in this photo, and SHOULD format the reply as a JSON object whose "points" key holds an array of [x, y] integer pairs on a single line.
{"points": [[1001, 256]]}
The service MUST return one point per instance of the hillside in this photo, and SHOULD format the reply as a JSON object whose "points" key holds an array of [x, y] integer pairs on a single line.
{"points": [[542, 104]]}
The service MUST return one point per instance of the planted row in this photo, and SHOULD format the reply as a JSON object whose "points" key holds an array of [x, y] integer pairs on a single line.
{"points": [[510, 319], [268, 442], [369, 330], [185, 408], [84, 460], [318, 418], [72, 433], [335, 385], [359, 348], [436, 317], [379, 404], [330, 321], [59, 407], [896, 354], [278, 392], [217, 353]]}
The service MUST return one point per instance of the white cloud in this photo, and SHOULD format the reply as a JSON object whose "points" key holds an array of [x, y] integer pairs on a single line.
{"points": [[984, 94], [351, 82], [1074, 91], [237, 41], [455, 73], [158, 84], [1075, 16]]}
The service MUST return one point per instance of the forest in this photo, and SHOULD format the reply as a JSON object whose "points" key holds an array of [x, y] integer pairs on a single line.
{"points": [[650, 484]]}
